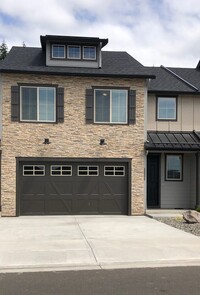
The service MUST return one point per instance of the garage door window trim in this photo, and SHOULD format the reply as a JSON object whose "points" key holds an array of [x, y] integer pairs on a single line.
{"points": [[37, 104], [114, 171], [91, 170], [61, 170], [33, 170]]}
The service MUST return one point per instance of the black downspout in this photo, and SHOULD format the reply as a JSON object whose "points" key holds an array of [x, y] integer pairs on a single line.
{"points": [[197, 181]]}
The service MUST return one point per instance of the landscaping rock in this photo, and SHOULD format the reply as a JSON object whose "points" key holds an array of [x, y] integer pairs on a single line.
{"points": [[191, 216]]}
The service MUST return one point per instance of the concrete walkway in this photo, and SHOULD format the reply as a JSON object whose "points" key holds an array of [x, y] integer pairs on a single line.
{"points": [[84, 242]]}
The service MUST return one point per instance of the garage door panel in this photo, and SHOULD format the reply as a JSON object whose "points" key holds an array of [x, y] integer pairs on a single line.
{"points": [[59, 206], [73, 188], [33, 206], [60, 188], [30, 186], [86, 186], [87, 206], [114, 206]]}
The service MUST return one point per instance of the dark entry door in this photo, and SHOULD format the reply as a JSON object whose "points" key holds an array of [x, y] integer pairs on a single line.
{"points": [[153, 181]]}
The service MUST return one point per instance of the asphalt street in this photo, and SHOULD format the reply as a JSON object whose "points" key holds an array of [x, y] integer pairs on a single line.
{"points": [[142, 281]]}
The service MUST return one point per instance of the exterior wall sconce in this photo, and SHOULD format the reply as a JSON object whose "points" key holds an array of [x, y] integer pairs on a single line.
{"points": [[46, 141], [102, 141]]}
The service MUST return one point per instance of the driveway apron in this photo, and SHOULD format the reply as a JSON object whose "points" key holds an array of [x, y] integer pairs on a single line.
{"points": [[92, 242]]}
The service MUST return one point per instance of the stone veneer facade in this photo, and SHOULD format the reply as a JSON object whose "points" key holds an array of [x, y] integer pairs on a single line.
{"points": [[73, 138]]}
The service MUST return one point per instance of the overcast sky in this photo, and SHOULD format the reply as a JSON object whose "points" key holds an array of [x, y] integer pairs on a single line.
{"points": [[154, 32]]}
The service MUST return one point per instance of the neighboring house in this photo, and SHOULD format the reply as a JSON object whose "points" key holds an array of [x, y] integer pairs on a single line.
{"points": [[173, 139], [73, 129]]}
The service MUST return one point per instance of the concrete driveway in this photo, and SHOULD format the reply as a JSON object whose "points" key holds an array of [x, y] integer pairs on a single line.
{"points": [[93, 242]]}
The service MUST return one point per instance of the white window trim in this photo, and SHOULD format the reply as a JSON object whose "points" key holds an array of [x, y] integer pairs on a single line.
{"points": [[78, 58], [58, 57], [43, 166], [110, 122], [181, 170], [158, 110], [114, 171], [87, 58], [87, 170], [61, 170], [37, 120]]}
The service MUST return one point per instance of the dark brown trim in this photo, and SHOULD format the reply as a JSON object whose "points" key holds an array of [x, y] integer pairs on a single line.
{"points": [[66, 58], [167, 96], [129, 121], [174, 180], [37, 85], [77, 74], [51, 51]]}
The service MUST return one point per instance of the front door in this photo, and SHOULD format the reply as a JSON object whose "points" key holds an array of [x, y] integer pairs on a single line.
{"points": [[153, 181]]}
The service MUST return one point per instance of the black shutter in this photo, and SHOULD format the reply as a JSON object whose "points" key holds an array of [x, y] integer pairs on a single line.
{"points": [[132, 107], [15, 116], [89, 106], [60, 105]]}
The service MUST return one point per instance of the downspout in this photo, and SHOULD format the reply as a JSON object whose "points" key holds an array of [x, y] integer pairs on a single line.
{"points": [[197, 205], [100, 58]]}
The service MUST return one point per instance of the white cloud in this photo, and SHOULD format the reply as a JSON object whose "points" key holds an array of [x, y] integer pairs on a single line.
{"points": [[153, 31]]}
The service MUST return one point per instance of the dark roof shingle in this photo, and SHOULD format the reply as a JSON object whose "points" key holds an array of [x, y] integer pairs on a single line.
{"points": [[175, 80], [33, 60]]}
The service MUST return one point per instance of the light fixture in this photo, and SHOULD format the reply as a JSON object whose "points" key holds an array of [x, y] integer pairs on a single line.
{"points": [[102, 141], [46, 141]]}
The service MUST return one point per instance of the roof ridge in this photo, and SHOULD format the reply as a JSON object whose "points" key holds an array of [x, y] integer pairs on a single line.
{"points": [[180, 78]]}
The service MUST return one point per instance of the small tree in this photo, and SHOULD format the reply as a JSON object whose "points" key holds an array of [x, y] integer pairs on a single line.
{"points": [[3, 50]]}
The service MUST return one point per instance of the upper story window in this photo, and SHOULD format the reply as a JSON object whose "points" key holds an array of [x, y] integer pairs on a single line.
{"points": [[38, 104], [174, 168], [166, 108], [111, 106], [77, 52], [89, 52], [73, 52], [58, 51]]}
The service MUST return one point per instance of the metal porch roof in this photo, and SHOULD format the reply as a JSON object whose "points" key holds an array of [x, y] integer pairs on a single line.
{"points": [[173, 141]]}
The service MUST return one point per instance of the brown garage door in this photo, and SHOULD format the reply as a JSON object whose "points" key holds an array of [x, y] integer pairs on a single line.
{"points": [[73, 188]]}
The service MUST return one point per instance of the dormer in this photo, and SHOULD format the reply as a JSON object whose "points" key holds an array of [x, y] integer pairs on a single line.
{"points": [[70, 51]]}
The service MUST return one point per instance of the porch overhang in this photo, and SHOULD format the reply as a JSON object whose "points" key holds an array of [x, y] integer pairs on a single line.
{"points": [[173, 141]]}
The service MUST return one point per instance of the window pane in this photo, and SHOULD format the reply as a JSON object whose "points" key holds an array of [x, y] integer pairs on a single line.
{"points": [[58, 51], [46, 104], [119, 106], [174, 167], [102, 106], [74, 52], [167, 108], [89, 52], [29, 103]]}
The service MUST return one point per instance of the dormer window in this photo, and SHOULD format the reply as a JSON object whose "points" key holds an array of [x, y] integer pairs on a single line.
{"points": [[89, 52], [58, 51], [73, 52]]}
